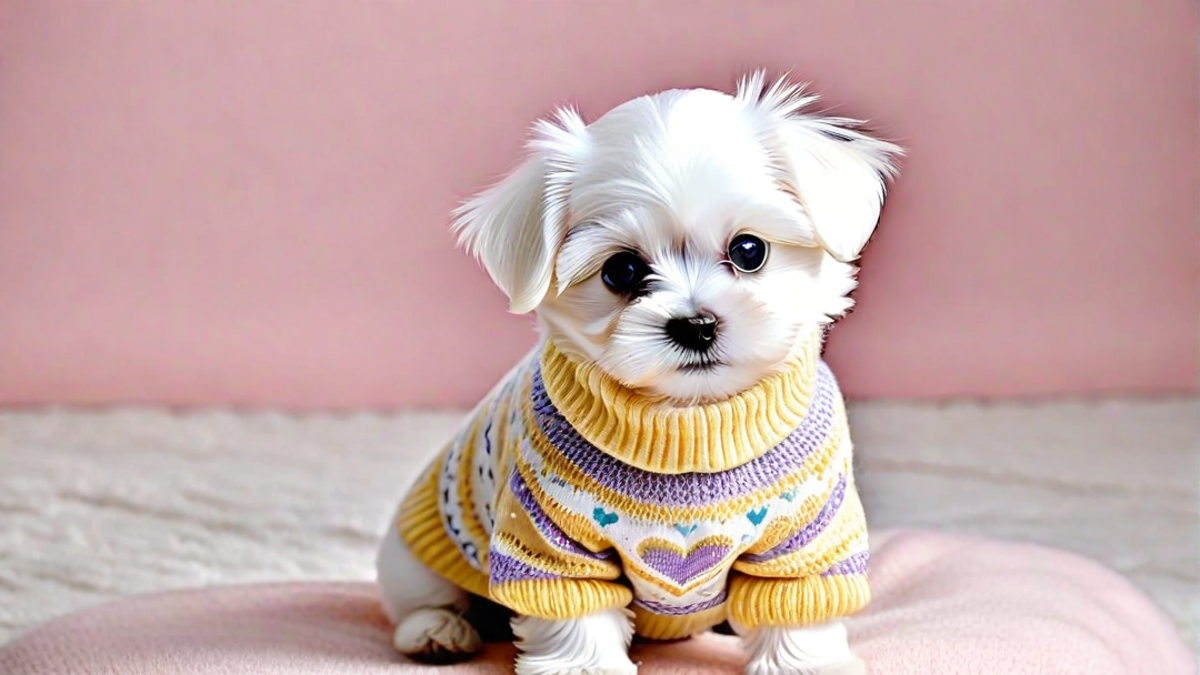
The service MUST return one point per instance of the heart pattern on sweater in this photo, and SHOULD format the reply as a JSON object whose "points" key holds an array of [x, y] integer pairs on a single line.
{"points": [[756, 517], [682, 566], [604, 518], [685, 530]]}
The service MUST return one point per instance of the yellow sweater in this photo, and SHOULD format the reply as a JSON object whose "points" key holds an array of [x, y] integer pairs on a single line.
{"points": [[567, 493]]}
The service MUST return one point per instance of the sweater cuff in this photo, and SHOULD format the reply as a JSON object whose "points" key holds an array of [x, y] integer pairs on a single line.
{"points": [[560, 598], [756, 601]]}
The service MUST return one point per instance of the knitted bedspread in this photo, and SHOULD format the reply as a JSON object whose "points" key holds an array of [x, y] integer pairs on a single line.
{"points": [[97, 505]]}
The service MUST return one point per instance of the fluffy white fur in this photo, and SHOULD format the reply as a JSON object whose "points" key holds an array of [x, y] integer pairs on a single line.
{"points": [[674, 177], [596, 645], [814, 650], [426, 610]]}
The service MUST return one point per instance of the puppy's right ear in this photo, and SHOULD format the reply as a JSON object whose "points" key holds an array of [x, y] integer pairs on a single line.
{"points": [[515, 227]]}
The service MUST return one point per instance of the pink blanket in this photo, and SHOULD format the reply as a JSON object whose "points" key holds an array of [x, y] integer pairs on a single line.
{"points": [[944, 605]]}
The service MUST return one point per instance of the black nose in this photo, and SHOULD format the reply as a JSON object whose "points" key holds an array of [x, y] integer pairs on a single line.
{"points": [[694, 332]]}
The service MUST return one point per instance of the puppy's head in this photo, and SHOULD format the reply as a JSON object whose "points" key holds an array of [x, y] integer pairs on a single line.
{"points": [[686, 241]]}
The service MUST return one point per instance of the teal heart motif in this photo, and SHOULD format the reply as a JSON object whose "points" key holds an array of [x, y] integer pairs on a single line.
{"points": [[604, 518], [756, 517], [685, 530]]}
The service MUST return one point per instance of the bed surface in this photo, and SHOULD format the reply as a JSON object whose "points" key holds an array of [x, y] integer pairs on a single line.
{"points": [[101, 504]]}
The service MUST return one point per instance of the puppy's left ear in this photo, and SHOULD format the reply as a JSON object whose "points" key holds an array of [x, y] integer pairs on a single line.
{"points": [[839, 176], [837, 172], [515, 227]]}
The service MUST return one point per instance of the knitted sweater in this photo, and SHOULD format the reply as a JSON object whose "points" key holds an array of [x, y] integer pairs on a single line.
{"points": [[567, 493]]}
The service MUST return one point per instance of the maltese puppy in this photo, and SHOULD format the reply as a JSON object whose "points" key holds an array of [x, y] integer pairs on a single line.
{"points": [[673, 454]]}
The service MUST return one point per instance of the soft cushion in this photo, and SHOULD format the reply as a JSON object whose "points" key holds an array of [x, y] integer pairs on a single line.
{"points": [[943, 604]]}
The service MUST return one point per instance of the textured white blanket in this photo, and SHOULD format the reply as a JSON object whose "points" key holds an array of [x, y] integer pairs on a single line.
{"points": [[96, 505]]}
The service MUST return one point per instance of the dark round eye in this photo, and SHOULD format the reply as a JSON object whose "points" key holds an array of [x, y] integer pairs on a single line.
{"points": [[748, 253], [624, 272]]}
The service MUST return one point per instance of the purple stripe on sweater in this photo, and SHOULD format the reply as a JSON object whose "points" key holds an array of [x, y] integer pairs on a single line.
{"points": [[548, 529], [855, 564], [664, 609], [809, 532], [503, 569], [690, 489]]}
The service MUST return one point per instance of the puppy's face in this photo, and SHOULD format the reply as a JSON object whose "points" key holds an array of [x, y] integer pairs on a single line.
{"points": [[685, 242]]}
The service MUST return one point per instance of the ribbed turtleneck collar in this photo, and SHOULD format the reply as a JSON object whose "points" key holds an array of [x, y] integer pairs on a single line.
{"points": [[656, 436]]}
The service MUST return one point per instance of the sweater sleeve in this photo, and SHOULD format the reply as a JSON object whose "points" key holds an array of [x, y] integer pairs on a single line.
{"points": [[535, 569], [816, 574]]}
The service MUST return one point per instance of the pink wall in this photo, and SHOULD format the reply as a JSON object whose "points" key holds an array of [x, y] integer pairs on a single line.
{"points": [[245, 202]]}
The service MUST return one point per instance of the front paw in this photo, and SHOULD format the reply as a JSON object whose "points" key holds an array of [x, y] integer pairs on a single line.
{"points": [[811, 650], [592, 645], [551, 669], [849, 666]]}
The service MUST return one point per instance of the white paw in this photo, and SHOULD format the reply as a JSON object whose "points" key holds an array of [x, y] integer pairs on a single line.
{"points": [[812, 650], [627, 669], [591, 645], [436, 635], [850, 666], [567, 669]]}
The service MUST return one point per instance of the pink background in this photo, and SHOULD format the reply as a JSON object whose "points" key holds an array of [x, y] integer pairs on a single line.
{"points": [[245, 202]]}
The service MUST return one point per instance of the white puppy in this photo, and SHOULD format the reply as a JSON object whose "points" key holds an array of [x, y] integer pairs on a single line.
{"points": [[686, 248]]}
